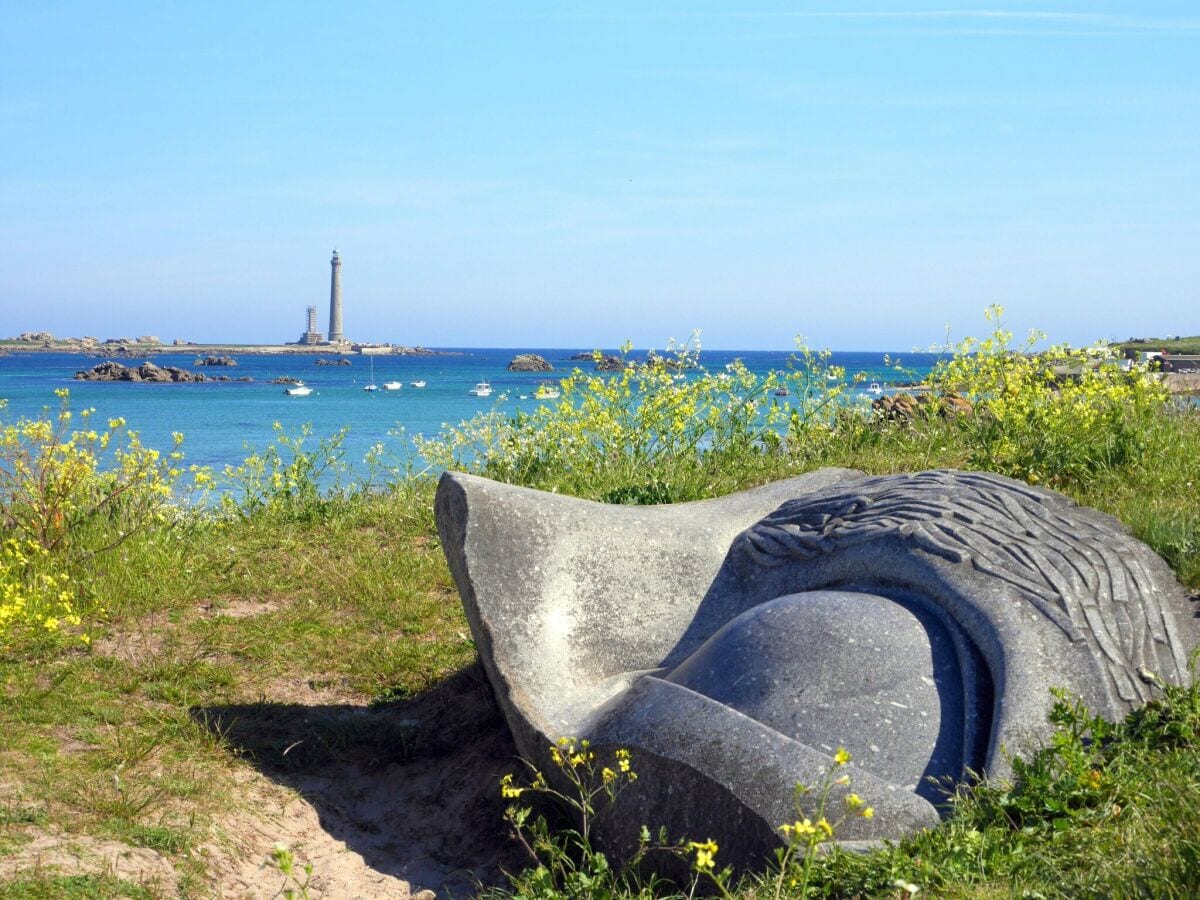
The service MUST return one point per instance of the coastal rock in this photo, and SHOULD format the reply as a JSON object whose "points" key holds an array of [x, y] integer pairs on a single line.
{"points": [[610, 363], [36, 337], [905, 408], [180, 342], [586, 354], [246, 378], [285, 379], [215, 361], [529, 362], [148, 372], [917, 620], [149, 339], [322, 361]]}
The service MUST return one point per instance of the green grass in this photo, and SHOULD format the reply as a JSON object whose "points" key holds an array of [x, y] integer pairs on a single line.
{"points": [[206, 632], [72, 887], [1174, 345]]}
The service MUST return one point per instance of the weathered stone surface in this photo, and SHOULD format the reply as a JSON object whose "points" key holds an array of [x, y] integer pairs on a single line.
{"points": [[529, 362], [917, 620], [342, 361], [215, 361]]}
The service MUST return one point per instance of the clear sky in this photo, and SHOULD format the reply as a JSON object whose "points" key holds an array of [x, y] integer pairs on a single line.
{"points": [[577, 173]]}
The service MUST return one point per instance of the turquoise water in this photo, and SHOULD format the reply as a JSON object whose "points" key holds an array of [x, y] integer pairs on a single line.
{"points": [[222, 421]]}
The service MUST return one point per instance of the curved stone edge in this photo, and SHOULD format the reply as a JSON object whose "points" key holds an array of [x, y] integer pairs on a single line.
{"points": [[687, 746], [507, 546]]}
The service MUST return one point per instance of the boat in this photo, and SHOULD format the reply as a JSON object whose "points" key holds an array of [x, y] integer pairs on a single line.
{"points": [[782, 391], [416, 384], [874, 388], [483, 389], [299, 389], [392, 385], [547, 392], [371, 385]]}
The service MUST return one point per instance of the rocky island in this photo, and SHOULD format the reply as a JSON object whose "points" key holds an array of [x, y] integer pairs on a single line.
{"points": [[147, 372], [530, 362]]}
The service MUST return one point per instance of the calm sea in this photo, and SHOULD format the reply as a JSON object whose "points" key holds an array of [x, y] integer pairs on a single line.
{"points": [[222, 421]]}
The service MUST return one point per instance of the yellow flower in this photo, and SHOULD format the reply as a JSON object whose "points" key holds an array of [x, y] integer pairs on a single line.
{"points": [[800, 828], [842, 756], [704, 854], [854, 801], [608, 775], [508, 789]]}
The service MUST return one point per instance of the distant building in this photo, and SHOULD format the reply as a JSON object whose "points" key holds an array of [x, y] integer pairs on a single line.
{"points": [[335, 301], [311, 336]]}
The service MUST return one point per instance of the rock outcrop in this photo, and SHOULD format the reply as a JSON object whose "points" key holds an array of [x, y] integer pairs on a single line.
{"points": [[333, 362], [905, 408], [147, 371], [530, 362], [215, 361]]}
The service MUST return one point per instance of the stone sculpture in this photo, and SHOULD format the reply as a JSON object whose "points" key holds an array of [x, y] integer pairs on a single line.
{"points": [[733, 644]]}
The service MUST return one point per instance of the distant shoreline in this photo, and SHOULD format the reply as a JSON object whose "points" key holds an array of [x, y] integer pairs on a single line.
{"points": [[137, 349]]}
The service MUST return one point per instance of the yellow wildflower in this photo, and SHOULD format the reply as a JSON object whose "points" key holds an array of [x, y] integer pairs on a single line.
{"points": [[704, 854]]}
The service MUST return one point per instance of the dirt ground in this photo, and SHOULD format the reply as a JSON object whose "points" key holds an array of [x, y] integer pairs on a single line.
{"points": [[390, 801]]}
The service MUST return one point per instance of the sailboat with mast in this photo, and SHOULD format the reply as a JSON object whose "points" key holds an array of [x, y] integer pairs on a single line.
{"points": [[371, 385]]}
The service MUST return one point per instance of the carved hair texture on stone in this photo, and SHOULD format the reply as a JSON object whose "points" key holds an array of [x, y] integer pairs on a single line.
{"points": [[1078, 568]]}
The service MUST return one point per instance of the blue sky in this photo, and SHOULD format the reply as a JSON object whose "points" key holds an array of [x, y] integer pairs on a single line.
{"points": [[575, 174]]}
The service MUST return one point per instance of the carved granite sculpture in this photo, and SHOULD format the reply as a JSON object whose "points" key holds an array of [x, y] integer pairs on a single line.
{"points": [[733, 644]]}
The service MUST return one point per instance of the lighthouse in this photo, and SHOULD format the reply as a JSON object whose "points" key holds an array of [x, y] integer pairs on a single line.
{"points": [[335, 301]]}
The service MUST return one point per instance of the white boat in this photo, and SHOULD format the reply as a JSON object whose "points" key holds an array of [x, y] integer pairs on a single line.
{"points": [[371, 385], [547, 392], [874, 388], [299, 389], [416, 384], [392, 385], [483, 389]]}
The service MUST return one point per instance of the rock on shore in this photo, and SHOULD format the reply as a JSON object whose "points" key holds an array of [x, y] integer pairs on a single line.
{"points": [[530, 362], [215, 361]]}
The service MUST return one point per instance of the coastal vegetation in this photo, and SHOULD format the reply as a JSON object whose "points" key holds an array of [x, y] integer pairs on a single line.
{"points": [[1172, 344], [182, 650]]}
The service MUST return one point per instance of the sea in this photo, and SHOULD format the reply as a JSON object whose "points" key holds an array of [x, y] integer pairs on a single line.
{"points": [[222, 422]]}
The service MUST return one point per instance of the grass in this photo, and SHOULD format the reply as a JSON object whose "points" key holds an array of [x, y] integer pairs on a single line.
{"points": [[1174, 345], [286, 637]]}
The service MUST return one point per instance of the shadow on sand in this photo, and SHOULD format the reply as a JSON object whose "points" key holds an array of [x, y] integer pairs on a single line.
{"points": [[411, 785]]}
